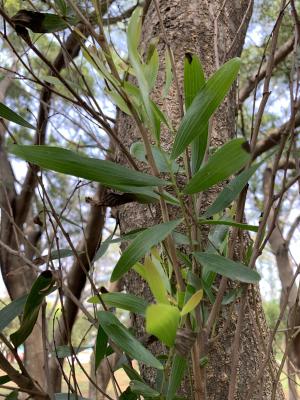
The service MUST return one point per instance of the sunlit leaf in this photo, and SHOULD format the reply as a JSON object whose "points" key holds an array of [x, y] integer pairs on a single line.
{"points": [[247, 227], [192, 302], [162, 321]]}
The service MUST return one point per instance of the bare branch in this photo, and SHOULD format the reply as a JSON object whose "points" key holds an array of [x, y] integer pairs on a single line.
{"points": [[281, 53]]}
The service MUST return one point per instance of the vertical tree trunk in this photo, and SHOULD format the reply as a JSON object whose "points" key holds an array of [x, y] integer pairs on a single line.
{"points": [[210, 29]]}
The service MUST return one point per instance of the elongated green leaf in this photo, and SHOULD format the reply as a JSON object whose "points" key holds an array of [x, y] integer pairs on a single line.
{"points": [[169, 74], [14, 395], [192, 302], [10, 115], [68, 162], [124, 301], [226, 161], [177, 372], [194, 78], [231, 191], [143, 389], [128, 395], [42, 22], [125, 340], [162, 321], [246, 227], [141, 245], [11, 311], [151, 69], [133, 37], [101, 346], [40, 289], [155, 281], [231, 269], [195, 121], [4, 379], [132, 373]]}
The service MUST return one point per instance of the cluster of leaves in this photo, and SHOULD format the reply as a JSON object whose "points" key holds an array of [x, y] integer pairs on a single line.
{"points": [[145, 253]]}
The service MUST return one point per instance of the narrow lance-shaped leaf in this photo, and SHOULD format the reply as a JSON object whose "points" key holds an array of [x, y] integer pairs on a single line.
{"points": [[231, 269], [42, 22], [10, 115], [120, 335], [231, 191], [247, 227], [155, 281], [133, 37], [11, 311], [194, 80], [226, 161], [192, 302], [141, 245], [143, 389], [68, 162], [162, 321], [40, 289], [195, 121], [124, 301], [101, 345], [177, 372]]}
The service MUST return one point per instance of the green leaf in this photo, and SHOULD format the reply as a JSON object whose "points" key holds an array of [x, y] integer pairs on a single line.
{"points": [[155, 281], [128, 395], [133, 37], [42, 22], [144, 390], [141, 245], [177, 372], [231, 191], [4, 379], [132, 373], [42, 286], [10, 115], [194, 78], [226, 161], [125, 340], [162, 321], [11, 311], [68, 162], [162, 160], [247, 227], [61, 5], [124, 301], [231, 269], [168, 72], [101, 346], [151, 69], [195, 121], [12, 395], [193, 301]]}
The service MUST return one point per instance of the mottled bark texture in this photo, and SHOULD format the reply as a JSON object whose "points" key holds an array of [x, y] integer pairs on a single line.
{"points": [[190, 26]]}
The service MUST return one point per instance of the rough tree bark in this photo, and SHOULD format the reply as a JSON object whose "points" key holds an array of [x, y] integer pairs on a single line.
{"points": [[212, 30]]}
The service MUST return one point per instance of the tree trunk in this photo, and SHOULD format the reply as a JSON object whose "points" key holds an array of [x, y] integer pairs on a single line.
{"points": [[209, 29]]}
